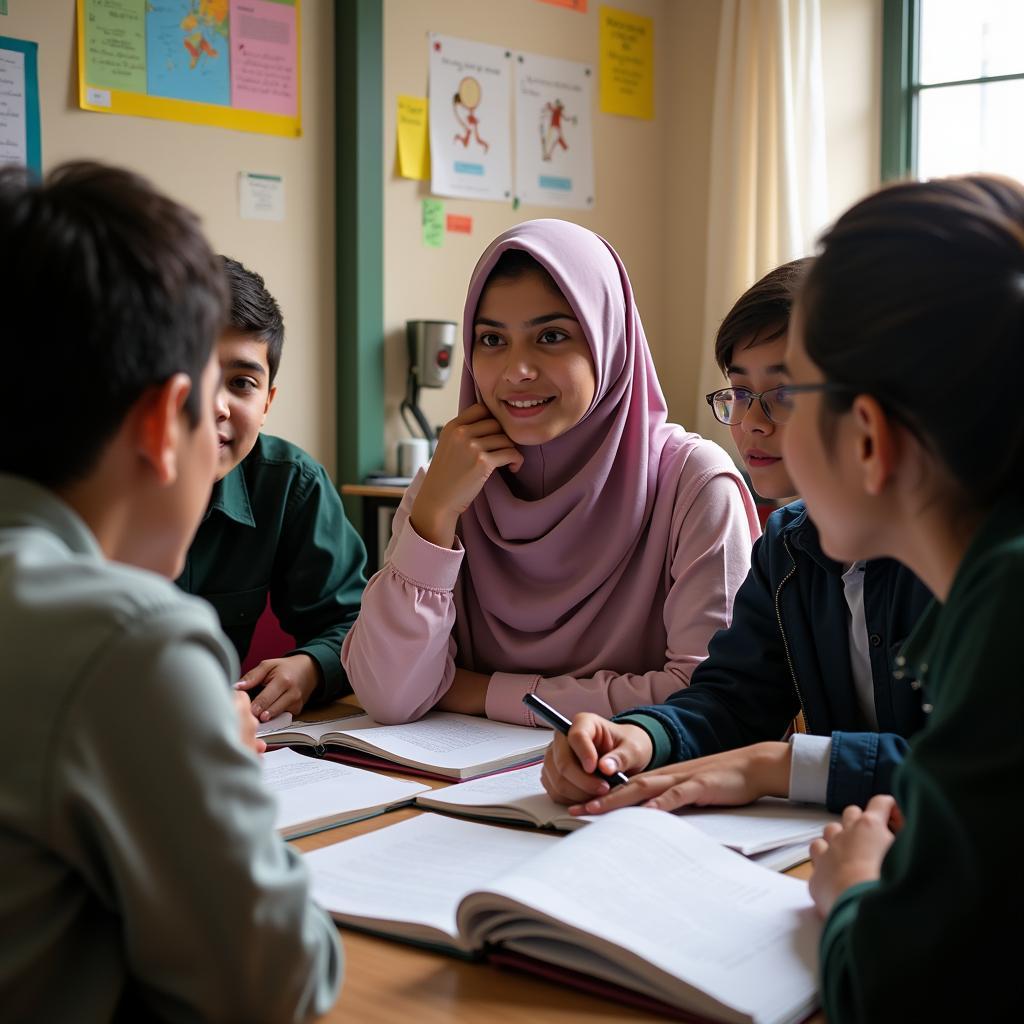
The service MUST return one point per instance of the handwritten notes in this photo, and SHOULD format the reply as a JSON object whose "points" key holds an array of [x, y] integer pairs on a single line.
{"points": [[115, 44], [413, 143], [627, 63], [19, 104], [433, 223]]}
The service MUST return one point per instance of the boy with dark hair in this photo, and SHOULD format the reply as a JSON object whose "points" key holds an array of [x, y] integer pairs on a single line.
{"points": [[810, 639], [142, 875], [275, 524]]}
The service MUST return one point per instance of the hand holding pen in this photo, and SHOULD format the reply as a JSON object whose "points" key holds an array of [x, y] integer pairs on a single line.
{"points": [[544, 711], [591, 756]]}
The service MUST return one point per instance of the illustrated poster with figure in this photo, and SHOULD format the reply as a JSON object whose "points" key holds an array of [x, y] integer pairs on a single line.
{"points": [[470, 128], [554, 138]]}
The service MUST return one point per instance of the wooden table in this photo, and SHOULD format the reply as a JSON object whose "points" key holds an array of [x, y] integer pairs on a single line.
{"points": [[390, 983]]}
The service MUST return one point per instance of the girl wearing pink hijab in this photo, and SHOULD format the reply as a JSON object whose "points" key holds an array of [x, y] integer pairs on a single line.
{"points": [[566, 539]]}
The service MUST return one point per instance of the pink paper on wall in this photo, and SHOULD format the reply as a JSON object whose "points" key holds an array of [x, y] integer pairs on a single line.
{"points": [[264, 57]]}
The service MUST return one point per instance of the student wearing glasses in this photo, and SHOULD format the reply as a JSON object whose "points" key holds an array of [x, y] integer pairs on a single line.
{"points": [[812, 641]]}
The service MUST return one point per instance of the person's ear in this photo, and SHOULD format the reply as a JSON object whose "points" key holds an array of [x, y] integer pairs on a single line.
{"points": [[159, 425], [877, 443], [270, 401]]}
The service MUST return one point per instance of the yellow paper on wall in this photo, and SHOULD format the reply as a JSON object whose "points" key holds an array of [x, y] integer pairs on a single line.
{"points": [[413, 138], [627, 63]]}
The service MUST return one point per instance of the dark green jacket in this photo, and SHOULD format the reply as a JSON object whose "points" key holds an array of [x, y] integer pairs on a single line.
{"points": [[937, 938], [275, 525]]}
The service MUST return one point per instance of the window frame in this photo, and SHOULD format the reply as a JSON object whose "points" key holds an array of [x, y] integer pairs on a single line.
{"points": [[359, 240], [901, 87]]}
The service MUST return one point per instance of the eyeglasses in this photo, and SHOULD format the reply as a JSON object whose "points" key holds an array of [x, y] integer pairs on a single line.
{"points": [[730, 405]]}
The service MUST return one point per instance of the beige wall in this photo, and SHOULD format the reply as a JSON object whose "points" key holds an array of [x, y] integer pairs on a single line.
{"points": [[631, 168], [693, 42], [652, 176], [199, 166], [851, 45]]}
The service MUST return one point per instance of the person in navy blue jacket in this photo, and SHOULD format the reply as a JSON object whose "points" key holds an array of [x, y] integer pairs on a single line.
{"points": [[810, 648]]}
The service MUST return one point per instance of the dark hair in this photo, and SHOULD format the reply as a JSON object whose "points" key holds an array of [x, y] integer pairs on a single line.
{"points": [[917, 299], [515, 263], [107, 288], [255, 311], [761, 313]]}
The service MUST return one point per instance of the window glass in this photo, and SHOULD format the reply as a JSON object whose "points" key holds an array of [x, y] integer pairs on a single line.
{"points": [[965, 39], [967, 128]]}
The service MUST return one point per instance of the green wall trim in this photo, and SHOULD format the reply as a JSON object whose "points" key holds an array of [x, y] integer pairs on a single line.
{"points": [[359, 160], [900, 28]]}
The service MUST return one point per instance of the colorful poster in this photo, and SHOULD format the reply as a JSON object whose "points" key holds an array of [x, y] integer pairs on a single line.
{"points": [[470, 130], [229, 63], [627, 64], [554, 138], [187, 55], [264, 72], [19, 104], [413, 143]]}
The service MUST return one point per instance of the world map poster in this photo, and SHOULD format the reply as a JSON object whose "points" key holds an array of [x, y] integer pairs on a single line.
{"points": [[229, 63]]}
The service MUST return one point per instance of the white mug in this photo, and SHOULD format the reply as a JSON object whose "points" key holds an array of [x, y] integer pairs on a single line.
{"points": [[413, 455]]}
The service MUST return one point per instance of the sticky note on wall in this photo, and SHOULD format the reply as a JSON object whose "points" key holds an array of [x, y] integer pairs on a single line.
{"points": [[413, 138], [433, 223], [459, 224], [627, 63]]}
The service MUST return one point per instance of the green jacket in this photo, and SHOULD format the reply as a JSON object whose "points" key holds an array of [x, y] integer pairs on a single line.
{"points": [[275, 525], [937, 937]]}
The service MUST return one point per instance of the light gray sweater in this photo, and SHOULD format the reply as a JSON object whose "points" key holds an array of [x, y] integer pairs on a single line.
{"points": [[138, 859]]}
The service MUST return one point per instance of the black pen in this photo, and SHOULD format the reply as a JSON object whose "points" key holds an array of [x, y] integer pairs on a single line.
{"points": [[558, 721]]}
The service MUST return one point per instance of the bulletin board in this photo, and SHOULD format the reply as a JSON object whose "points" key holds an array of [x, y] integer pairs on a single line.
{"points": [[228, 63]]}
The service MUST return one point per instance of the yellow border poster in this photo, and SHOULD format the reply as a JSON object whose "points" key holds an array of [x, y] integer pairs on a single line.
{"points": [[227, 63]]}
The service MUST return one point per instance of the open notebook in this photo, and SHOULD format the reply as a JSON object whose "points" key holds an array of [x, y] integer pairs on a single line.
{"points": [[518, 797], [441, 744], [638, 902], [312, 794]]}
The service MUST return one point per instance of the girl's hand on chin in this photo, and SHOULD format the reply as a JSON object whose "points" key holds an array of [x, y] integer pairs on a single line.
{"points": [[471, 447]]}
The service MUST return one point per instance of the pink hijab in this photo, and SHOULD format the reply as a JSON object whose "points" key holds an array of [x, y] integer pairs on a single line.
{"points": [[548, 548]]}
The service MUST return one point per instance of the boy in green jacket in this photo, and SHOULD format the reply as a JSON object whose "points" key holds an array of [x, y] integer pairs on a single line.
{"points": [[275, 524]]}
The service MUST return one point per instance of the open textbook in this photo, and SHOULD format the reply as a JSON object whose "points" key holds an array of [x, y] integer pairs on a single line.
{"points": [[638, 902], [313, 794], [441, 744], [519, 797]]}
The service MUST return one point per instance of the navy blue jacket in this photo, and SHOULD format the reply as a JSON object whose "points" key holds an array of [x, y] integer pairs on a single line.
{"points": [[787, 650]]}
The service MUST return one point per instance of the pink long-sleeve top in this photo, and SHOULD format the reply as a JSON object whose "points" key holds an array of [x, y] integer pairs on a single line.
{"points": [[642, 643]]}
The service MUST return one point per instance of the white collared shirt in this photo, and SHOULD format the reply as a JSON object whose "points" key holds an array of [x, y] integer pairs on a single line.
{"points": [[808, 773]]}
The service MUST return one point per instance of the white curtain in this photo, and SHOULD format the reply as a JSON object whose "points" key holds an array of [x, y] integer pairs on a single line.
{"points": [[768, 199]]}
